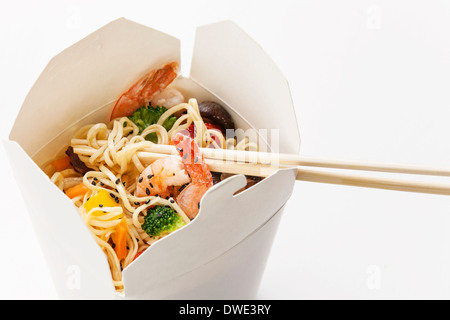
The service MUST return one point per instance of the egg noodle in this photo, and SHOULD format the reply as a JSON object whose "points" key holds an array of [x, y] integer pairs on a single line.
{"points": [[110, 151]]}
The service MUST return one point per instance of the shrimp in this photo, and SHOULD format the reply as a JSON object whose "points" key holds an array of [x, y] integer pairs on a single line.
{"points": [[159, 177], [168, 98], [190, 196], [143, 91]]}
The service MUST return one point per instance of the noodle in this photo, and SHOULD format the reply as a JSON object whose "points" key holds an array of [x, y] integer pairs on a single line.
{"points": [[115, 167]]}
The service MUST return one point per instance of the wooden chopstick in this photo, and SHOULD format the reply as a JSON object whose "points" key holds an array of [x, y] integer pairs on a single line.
{"points": [[264, 164], [309, 175], [374, 166], [282, 159], [373, 182]]}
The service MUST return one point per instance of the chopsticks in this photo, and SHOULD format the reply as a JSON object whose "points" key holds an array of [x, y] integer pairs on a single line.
{"points": [[263, 164], [347, 179], [280, 159]]}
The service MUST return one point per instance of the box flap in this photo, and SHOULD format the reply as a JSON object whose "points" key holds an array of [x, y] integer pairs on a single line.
{"points": [[229, 63], [223, 222], [76, 262], [96, 69]]}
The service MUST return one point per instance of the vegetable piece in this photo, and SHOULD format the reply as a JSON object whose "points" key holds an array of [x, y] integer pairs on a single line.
{"points": [[78, 190], [215, 113], [78, 165], [119, 237], [101, 199], [161, 220], [146, 116], [138, 254], [61, 163], [217, 177]]}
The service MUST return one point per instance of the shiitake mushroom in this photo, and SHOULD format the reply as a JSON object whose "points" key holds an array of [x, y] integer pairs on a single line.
{"points": [[214, 113], [217, 177], [251, 180], [78, 165]]}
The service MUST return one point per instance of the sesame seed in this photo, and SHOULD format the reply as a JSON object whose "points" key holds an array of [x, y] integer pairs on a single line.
{"points": [[196, 160], [118, 181], [185, 156], [140, 179], [112, 195], [180, 149], [199, 205], [150, 176], [172, 201], [147, 202], [100, 205], [123, 183], [147, 191], [151, 186]]}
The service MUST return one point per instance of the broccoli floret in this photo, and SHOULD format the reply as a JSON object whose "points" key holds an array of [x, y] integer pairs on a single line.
{"points": [[161, 220], [146, 116]]}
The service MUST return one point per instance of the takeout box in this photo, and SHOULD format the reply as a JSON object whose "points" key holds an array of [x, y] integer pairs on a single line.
{"points": [[223, 252]]}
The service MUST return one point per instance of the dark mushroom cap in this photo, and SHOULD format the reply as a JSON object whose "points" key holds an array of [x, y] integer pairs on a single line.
{"points": [[216, 114], [78, 165], [216, 177]]}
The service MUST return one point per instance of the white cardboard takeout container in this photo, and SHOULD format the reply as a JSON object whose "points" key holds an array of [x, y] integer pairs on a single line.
{"points": [[222, 253]]}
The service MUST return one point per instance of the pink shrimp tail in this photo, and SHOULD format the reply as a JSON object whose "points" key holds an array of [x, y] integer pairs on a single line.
{"points": [[189, 198], [140, 94]]}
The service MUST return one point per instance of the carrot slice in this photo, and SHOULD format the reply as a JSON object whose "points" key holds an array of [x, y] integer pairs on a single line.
{"points": [[120, 239], [62, 163], [138, 254], [75, 191]]}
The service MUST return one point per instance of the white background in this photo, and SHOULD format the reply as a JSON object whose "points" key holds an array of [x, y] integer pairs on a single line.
{"points": [[370, 80]]}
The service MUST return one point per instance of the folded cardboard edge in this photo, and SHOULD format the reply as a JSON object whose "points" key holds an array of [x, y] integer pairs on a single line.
{"points": [[208, 236], [84, 266], [246, 78], [250, 277], [101, 65]]}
